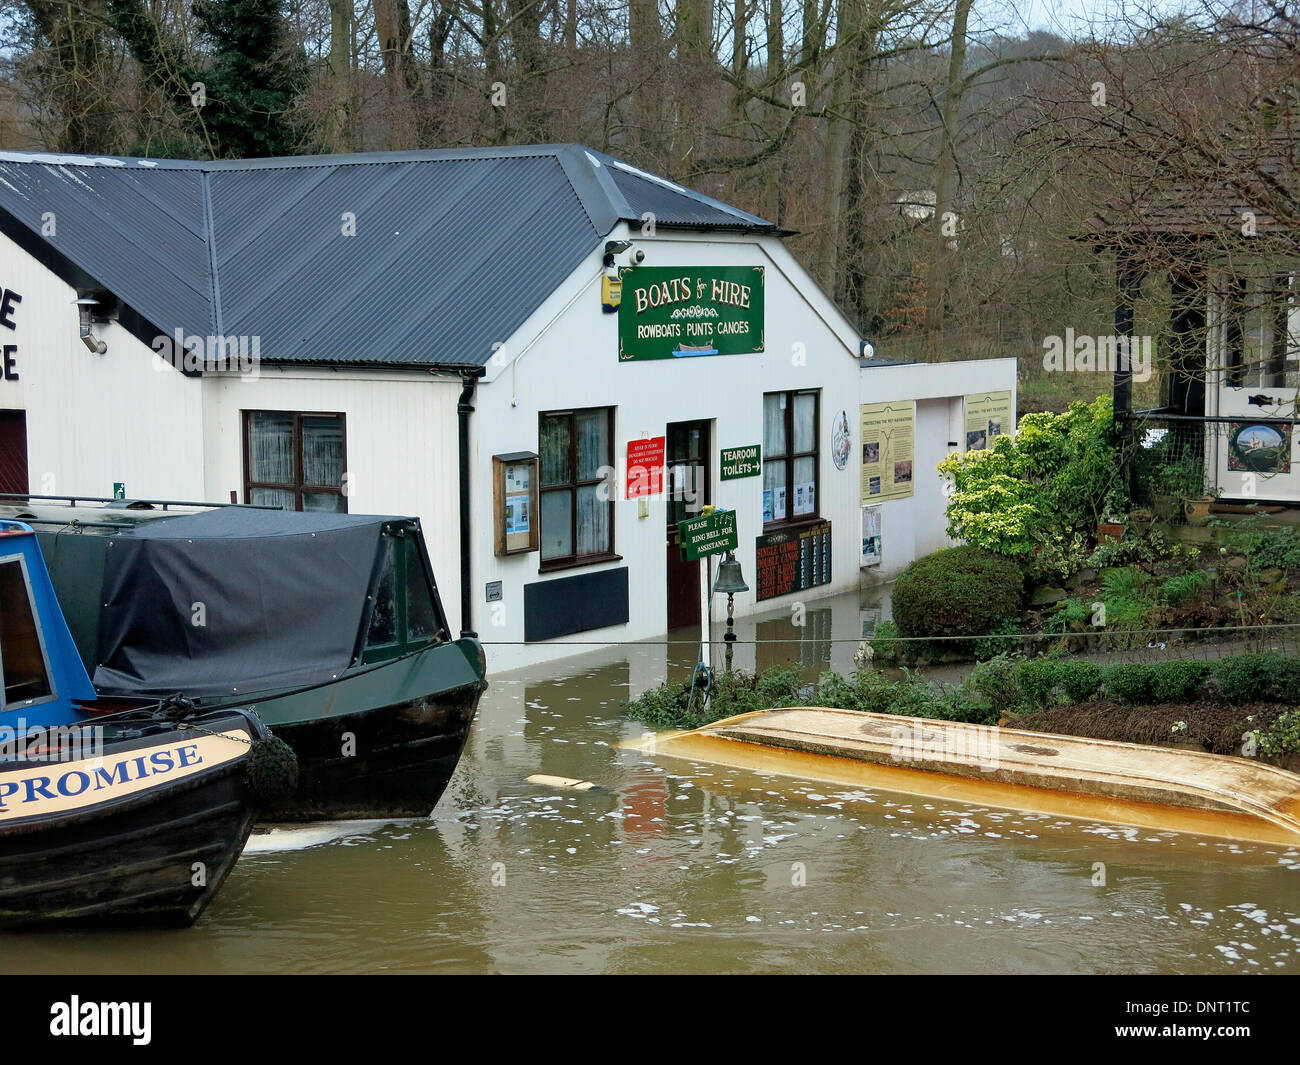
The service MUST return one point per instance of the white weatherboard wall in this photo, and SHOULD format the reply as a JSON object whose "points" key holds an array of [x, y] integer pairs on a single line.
{"points": [[401, 446], [916, 526], [566, 356], [93, 420]]}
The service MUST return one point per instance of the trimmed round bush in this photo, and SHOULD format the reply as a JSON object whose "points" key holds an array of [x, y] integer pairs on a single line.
{"points": [[957, 591], [1253, 678], [1036, 680], [1179, 682], [1131, 682], [1081, 681]]}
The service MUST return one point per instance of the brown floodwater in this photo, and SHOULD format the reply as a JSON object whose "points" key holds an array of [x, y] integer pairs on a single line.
{"points": [[669, 866]]}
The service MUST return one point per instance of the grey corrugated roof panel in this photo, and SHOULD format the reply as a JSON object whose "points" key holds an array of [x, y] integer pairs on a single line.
{"points": [[121, 226], [674, 204], [448, 259], [454, 248]]}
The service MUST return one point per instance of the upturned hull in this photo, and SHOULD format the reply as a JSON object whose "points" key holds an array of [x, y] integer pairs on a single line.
{"points": [[144, 831]]}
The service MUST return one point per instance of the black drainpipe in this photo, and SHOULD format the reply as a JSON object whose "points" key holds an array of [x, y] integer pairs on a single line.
{"points": [[464, 408]]}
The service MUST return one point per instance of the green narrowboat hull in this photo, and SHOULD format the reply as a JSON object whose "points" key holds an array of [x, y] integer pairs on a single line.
{"points": [[382, 741]]}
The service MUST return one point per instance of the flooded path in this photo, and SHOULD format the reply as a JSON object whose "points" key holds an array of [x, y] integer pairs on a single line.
{"points": [[676, 868]]}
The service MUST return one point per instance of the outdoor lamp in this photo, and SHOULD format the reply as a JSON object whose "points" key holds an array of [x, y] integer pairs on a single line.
{"points": [[86, 305], [731, 581]]}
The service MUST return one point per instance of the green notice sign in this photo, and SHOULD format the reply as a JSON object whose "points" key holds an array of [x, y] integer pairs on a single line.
{"points": [[740, 462], [675, 312], [711, 534]]}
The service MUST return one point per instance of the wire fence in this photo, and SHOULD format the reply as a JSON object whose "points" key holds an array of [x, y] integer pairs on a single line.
{"points": [[1172, 462], [1111, 645]]}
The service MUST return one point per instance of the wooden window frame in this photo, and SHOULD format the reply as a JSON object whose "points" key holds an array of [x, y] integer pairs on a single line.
{"points": [[298, 487], [792, 520], [572, 486]]}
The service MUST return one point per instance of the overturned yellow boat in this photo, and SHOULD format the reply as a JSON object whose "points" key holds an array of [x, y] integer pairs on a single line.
{"points": [[1124, 783]]}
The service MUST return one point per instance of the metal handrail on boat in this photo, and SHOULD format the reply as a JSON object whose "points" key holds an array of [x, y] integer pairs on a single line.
{"points": [[72, 501]]}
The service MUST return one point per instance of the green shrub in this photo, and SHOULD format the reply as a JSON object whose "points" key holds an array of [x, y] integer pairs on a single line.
{"points": [[1130, 682], [1184, 588], [957, 591], [1069, 614], [776, 686], [997, 680], [1081, 681], [662, 707], [884, 646], [1037, 680], [1129, 583], [834, 691], [671, 705], [1283, 737], [1181, 681], [1153, 547], [997, 641], [1265, 548], [1051, 485], [1251, 678]]}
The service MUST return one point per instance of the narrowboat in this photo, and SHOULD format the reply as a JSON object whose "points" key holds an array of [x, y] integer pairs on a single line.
{"points": [[329, 626], [127, 810]]}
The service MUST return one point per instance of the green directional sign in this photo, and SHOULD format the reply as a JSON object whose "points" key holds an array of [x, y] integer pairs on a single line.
{"points": [[740, 462], [711, 534]]}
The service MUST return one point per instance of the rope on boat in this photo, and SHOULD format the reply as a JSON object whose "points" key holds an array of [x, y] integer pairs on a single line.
{"points": [[270, 767]]}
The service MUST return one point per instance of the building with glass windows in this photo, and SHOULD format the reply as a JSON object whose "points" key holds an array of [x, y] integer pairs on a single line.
{"points": [[551, 357]]}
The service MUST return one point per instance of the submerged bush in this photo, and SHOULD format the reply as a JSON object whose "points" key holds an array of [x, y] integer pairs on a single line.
{"points": [[670, 706], [957, 591]]}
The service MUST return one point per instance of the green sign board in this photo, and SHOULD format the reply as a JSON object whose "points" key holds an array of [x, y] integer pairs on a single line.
{"points": [[708, 535], [740, 462], [677, 312]]}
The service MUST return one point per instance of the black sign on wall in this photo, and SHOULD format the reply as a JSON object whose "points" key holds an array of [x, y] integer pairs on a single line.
{"points": [[575, 604], [793, 561]]}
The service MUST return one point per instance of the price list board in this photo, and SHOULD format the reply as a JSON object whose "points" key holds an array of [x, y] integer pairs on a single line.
{"points": [[794, 561]]}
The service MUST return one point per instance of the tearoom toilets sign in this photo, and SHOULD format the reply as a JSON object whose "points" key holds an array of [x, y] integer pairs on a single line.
{"points": [[671, 312]]}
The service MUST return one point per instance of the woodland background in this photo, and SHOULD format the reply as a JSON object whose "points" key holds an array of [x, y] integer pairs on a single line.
{"points": [[940, 177]]}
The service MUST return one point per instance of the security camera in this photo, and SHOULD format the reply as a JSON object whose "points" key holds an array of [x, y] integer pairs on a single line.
{"points": [[635, 257]]}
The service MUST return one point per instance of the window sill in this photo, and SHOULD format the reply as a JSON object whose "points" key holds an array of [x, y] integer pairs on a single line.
{"points": [[577, 563]]}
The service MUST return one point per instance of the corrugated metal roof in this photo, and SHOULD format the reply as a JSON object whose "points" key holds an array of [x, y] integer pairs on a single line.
{"points": [[453, 249], [673, 204]]}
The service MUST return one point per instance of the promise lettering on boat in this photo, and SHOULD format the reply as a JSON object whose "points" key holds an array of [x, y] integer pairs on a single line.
{"points": [[103, 1018], [74, 782]]}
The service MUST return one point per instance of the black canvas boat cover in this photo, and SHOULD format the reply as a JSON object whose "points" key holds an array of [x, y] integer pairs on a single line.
{"points": [[234, 601]]}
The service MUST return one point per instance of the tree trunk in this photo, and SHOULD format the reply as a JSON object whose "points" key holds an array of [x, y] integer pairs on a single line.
{"points": [[943, 225], [338, 124], [401, 79], [646, 47]]}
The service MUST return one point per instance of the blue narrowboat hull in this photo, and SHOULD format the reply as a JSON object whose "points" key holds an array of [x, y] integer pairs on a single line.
{"points": [[139, 823]]}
